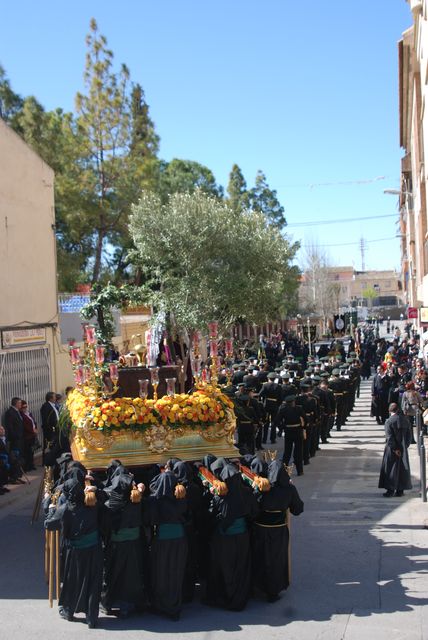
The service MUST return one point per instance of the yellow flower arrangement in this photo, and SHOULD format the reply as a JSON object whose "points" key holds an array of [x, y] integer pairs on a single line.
{"points": [[207, 406]]}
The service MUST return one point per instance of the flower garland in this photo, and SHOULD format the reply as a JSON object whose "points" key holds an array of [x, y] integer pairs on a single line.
{"points": [[206, 406]]}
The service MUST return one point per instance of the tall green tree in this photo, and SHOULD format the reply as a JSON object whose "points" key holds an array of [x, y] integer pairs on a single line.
{"points": [[144, 139], [185, 176], [10, 102], [237, 190], [265, 200], [195, 269], [104, 122]]}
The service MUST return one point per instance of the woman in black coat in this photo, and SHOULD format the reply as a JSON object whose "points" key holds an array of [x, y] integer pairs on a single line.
{"points": [[83, 561], [395, 470], [270, 535], [122, 521]]}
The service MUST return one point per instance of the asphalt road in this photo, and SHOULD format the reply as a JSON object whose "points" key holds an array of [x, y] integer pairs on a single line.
{"points": [[359, 568]]}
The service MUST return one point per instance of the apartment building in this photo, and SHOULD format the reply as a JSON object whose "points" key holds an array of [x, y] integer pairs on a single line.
{"points": [[413, 92]]}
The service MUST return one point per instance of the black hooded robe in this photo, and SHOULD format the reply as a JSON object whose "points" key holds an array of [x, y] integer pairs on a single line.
{"points": [[395, 469], [122, 521], [229, 578], [184, 474], [168, 553], [83, 559], [270, 535]]}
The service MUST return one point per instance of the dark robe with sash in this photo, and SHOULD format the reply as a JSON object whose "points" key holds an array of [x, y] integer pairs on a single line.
{"points": [[270, 535], [229, 579], [167, 515], [184, 474], [83, 561], [122, 521], [395, 469]]}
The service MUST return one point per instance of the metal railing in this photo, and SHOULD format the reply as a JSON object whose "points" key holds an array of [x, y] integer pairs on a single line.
{"points": [[72, 302]]}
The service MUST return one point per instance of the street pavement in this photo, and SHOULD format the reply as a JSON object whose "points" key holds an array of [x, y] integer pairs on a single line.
{"points": [[359, 561]]}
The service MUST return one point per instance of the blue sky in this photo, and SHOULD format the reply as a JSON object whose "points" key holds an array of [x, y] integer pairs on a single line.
{"points": [[305, 91]]}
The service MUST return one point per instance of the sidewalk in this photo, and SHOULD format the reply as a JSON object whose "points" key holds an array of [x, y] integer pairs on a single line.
{"points": [[18, 492]]}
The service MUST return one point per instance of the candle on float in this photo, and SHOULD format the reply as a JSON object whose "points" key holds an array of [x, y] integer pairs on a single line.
{"points": [[196, 365], [170, 386], [113, 372], [213, 329], [74, 355], [99, 355], [143, 385], [90, 335], [154, 375], [213, 348]]}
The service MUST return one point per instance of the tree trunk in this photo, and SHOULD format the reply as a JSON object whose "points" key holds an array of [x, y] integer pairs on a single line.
{"points": [[98, 256]]}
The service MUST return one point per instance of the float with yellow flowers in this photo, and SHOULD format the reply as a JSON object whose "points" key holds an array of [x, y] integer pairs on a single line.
{"points": [[134, 413]]}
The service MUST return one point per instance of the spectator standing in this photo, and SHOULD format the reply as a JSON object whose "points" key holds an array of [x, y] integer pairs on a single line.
{"points": [[50, 417], [411, 401], [14, 426], [30, 436]]}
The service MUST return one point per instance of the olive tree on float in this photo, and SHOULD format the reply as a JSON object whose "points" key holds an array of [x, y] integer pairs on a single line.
{"points": [[202, 260]]}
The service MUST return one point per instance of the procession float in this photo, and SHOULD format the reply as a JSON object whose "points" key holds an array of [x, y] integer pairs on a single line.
{"points": [[132, 411]]}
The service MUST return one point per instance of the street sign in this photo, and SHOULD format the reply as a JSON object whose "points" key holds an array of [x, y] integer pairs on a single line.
{"points": [[424, 314], [412, 313]]}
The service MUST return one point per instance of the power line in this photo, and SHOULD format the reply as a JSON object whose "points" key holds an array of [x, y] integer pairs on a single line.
{"points": [[348, 244], [317, 223], [312, 185]]}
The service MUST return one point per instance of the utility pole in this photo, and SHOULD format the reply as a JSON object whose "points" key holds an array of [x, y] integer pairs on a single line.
{"points": [[363, 251]]}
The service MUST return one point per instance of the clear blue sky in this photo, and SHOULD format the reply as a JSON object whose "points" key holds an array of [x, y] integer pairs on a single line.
{"points": [[305, 91]]}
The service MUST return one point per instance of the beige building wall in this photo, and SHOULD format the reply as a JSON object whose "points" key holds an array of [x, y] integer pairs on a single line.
{"points": [[413, 103], [347, 285], [385, 283], [27, 239], [28, 278]]}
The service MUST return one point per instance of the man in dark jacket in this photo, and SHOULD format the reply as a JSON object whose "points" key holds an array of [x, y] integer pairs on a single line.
{"points": [[14, 425], [49, 414]]}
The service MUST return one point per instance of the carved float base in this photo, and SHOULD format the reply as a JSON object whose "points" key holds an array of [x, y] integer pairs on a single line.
{"points": [[155, 445]]}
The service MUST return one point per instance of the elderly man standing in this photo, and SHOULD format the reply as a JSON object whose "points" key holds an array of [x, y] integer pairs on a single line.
{"points": [[14, 426], [395, 469]]}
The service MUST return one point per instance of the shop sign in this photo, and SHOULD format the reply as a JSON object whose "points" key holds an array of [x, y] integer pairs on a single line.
{"points": [[16, 338]]}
